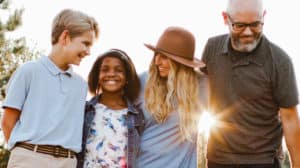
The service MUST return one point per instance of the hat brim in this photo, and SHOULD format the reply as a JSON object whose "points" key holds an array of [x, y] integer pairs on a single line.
{"points": [[195, 63]]}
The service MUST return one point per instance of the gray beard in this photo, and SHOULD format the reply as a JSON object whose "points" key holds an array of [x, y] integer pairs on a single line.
{"points": [[245, 47]]}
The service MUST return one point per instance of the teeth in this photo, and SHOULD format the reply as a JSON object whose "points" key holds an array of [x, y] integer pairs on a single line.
{"points": [[111, 82]]}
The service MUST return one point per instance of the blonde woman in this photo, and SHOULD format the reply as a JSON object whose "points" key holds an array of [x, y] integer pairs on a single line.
{"points": [[173, 100]]}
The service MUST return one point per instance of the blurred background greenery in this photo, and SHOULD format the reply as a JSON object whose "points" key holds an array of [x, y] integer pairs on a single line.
{"points": [[13, 52]]}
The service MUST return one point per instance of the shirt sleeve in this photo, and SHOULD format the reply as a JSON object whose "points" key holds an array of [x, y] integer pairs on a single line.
{"points": [[204, 57], [285, 91], [204, 91], [17, 89], [205, 53]]}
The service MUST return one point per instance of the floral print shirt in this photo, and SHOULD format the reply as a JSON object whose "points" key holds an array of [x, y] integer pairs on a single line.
{"points": [[106, 145]]}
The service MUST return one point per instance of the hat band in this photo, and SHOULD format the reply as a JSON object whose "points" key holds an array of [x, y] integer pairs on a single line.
{"points": [[175, 55]]}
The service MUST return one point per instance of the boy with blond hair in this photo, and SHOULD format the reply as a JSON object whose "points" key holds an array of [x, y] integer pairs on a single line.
{"points": [[44, 105]]}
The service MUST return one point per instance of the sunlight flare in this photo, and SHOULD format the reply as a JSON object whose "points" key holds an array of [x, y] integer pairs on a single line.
{"points": [[206, 122]]}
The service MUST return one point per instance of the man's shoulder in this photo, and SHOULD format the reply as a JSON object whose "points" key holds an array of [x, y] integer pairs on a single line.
{"points": [[217, 43], [277, 53], [277, 50], [214, 46], [218, 38]]}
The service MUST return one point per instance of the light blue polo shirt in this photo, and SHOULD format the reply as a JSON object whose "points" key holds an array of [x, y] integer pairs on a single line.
{"points": [[51, 102]]}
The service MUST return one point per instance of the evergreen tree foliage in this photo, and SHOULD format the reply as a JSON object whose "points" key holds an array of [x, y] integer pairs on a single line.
{"points": [[13, 53]]}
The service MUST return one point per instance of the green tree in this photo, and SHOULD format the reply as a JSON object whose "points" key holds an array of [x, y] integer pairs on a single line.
{"points": [[13, 53]]}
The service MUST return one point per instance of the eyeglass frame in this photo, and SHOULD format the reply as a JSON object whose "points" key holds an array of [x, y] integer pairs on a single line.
{"points": [[253, 26]]}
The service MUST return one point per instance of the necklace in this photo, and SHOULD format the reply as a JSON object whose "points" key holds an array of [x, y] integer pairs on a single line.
{"points": [[113, 104]]}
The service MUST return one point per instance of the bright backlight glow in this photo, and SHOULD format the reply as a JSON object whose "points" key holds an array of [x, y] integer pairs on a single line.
{"points": [[206, 122]]}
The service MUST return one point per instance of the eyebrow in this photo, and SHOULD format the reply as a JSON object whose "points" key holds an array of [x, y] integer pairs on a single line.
{"points": [[87, 42], [238, 22], [251, 23]]}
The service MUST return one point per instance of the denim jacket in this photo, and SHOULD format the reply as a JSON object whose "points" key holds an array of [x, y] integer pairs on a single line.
{"points": [[135, 124]]}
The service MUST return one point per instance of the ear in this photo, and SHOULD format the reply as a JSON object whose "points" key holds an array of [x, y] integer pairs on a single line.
{"points": [[264, 13], [225, 17], [64, 36]]}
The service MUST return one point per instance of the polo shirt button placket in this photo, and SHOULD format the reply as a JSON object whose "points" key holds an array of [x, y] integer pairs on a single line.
{"points": [[62, 80]]}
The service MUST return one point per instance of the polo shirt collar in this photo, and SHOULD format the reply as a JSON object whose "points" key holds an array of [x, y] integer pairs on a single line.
{"points": [[261, 51], [225, 49], [53, 69]]}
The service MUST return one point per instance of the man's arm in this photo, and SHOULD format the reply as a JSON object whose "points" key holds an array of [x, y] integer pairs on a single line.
{"points": [[9, 119], [291, 130]]}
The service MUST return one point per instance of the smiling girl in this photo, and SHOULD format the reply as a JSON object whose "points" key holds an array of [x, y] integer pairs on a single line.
{"points": [[113, 121]]}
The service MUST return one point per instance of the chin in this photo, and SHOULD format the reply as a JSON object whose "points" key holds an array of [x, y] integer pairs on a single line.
{"points": [[164, 76], [76, 63], [249, 48], [246, 47], [112, 90]]}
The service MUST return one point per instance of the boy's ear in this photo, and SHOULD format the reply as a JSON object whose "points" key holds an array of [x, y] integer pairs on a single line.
{"points": [[64, 36]]}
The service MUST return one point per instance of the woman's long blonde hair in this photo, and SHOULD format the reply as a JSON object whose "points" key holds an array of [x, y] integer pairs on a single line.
{"points": [[178, 92]]}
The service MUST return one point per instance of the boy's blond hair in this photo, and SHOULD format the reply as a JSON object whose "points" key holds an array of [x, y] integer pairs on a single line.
{"points": [[75, 22]]}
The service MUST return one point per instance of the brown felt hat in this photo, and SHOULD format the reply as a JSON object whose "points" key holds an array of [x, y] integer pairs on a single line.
{"points": [[177, 44]]}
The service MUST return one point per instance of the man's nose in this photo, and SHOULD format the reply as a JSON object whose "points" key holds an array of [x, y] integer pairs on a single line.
{"points": [[247, 31]]}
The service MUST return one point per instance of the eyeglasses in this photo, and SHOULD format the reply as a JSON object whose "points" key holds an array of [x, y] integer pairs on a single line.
{"points": [[239, 27]]}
